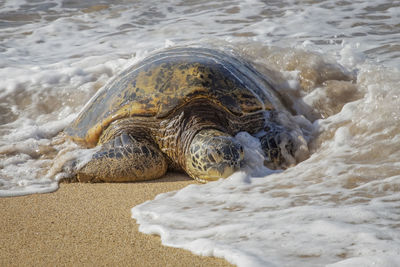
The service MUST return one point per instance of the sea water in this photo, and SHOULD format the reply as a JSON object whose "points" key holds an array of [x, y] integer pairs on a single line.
{"points": [[336, 64]]}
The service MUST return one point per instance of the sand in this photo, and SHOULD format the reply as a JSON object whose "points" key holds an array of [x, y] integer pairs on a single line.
{"points": [[88, 225]]}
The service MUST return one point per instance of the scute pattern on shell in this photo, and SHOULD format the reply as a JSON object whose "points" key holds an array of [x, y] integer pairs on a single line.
{"points": [[168, 80]]}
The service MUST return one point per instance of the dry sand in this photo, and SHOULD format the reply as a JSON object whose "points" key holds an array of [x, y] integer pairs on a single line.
{"points": [[88, 225]]}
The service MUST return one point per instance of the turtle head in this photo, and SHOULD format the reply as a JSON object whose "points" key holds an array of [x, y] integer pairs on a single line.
{"points": [[213, 155]]}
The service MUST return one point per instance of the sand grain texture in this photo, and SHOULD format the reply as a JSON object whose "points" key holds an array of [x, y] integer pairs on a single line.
{"points": [[87, 225]]}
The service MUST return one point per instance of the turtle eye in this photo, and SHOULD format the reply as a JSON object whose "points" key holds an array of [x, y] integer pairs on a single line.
{"points": [[211, 158], [214, 155]]}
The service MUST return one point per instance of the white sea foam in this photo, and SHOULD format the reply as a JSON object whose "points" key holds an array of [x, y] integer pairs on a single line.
{"points": [[339, 206]]}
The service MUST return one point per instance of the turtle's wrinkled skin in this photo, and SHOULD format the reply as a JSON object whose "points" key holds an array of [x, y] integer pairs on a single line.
{"points": [[179, 109]]}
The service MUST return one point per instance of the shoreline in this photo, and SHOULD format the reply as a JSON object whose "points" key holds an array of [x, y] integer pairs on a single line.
{"points": [[89, 224]]}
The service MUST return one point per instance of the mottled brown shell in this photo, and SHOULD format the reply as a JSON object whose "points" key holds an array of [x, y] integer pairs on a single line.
{"points": [[168, 80]]}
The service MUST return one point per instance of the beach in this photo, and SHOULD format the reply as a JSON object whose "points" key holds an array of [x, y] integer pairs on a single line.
{"points": [[88, 225], [327, 70]]}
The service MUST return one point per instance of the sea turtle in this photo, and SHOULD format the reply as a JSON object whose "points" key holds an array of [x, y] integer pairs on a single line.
{"points": [[179, 109]]}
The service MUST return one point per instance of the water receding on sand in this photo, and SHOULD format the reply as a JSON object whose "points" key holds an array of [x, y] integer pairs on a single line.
{"points": [[335, 62]]}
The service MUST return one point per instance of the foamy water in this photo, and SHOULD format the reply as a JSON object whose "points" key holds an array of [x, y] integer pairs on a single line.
{"points": [[336, 62]]}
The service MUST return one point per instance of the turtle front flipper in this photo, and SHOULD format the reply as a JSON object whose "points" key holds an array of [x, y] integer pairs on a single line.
{"points": [[124, 159], [278, 146], [212, 155]]}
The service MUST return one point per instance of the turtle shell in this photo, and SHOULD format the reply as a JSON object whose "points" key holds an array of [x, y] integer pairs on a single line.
{"points": [[167, 80]]}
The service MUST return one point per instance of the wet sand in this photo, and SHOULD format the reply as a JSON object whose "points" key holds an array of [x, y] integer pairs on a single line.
{"points": [[88, 224]]}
